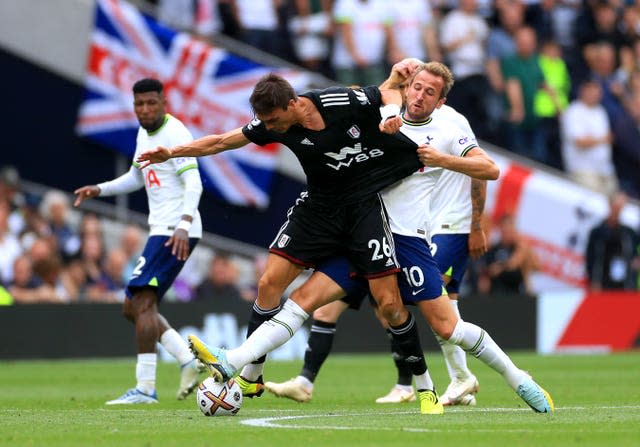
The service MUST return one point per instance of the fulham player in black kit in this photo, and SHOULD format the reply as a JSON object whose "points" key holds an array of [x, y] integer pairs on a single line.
{"points": [[337, 136]]}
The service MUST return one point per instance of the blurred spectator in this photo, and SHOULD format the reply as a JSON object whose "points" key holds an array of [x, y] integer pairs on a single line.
{"points": [[56, 287], [564, 14], [198, 16], [603, 69], [54, 208], [311, 29], [259, 23], [130, 243], [90, 226], [463, 34], [612, 260], [599, 23], [91, 254], [626, 156], [41, 248], [586, 141], [415, 31], [178, 14], [523, 78], [363, 33], [221, 281], [549, 103], [25, 285], [250, 293], [109, 288], [9, 246], [10, 187], [501, 44], [27, 222], [508, 263]]}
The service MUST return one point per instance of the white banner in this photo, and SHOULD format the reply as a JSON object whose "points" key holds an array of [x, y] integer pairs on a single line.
{"points": [[555, 216]]}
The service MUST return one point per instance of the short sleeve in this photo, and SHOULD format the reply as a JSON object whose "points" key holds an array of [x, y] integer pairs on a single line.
{"points": [[257, 133]]}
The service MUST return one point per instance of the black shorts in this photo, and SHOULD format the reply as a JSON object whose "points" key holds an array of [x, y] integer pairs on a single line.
{"points": [[314, 233]]}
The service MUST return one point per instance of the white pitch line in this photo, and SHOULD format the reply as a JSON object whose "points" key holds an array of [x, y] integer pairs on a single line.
{"points": [[276, 421]]}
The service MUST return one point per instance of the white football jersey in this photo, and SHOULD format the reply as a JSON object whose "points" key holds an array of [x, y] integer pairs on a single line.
{"points": [[408, 201], [450, 209], [162, 181]]}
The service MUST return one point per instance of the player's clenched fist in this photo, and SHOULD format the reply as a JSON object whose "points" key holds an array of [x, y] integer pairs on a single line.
{"points": [[429, 155]]}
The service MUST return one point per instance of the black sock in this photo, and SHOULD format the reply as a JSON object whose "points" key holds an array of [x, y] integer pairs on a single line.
{"points": [[259, 316], [404, 374], [318, 348], [407, 341]]}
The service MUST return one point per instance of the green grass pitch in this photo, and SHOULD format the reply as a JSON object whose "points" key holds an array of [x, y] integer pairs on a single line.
{"points": [[61, 403]]}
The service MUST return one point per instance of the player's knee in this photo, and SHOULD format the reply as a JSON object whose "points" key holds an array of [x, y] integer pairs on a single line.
{"points": [[392, 311], [443, 328], [269, 290], [127, 311], [144, 302], [304, 297]]}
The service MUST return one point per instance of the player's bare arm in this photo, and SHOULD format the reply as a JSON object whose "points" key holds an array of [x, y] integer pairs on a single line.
{"points": [[207, 145], [477, 238], [400, 73], [476, 163]]}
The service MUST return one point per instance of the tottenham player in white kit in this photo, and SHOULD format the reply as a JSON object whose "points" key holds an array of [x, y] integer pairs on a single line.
{"points": [[455, 230], [423, 285], [173, 191], [447, 195]]}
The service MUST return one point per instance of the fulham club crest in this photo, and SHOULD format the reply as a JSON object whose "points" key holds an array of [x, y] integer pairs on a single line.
{"points": [[354, 132], [283, 240]]}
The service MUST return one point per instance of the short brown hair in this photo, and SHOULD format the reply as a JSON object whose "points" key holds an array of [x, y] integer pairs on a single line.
{"points": [[437, 69], [271, 92]]}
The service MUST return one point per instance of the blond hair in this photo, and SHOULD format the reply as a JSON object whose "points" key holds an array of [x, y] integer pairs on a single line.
{"points": [[440, 70]]}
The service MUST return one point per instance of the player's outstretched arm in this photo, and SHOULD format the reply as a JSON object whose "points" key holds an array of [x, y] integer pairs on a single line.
{"points": [[476, 163], [207, 145]]}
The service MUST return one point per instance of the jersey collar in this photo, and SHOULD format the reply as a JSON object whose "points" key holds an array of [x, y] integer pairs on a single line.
{"points": [[164, 122], [416, 123]]}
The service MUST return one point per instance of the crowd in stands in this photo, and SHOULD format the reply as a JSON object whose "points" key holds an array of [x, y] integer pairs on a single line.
{"points": [[53, 253], [556, 81]]}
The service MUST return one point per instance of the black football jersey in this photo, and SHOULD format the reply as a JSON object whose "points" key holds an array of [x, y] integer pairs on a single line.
{"points": [[350, 158]]}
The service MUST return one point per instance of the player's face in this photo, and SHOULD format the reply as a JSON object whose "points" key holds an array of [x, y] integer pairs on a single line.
{"points": [[279, 120], [149, 109], [423, 95]]}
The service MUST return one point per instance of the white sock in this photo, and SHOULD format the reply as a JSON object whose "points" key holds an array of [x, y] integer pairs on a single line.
{"points": [[252, 371], [407, 388], [424, 382], [454, 356], [478, 343], [268, 336], [302, 380], [176, 346], [146, 372]]}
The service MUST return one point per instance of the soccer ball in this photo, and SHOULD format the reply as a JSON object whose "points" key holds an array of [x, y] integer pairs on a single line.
{"points": [[219, 399]]}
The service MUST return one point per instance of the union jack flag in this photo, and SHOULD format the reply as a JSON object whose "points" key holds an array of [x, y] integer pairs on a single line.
{"points": [[206, 87]]}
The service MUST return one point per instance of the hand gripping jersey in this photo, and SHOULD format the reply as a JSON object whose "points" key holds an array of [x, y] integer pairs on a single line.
{"points": [[408, 201], [350, 158], [165, 189]]}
